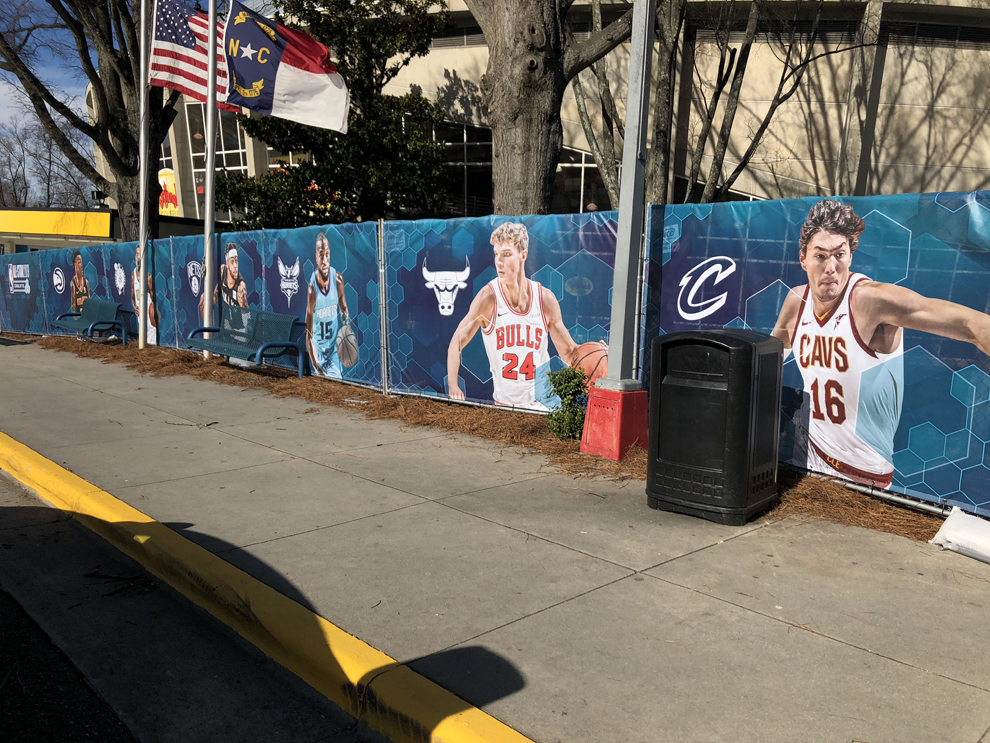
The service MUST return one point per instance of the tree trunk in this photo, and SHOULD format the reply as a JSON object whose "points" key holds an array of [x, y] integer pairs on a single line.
{"points": [[523, 89]]}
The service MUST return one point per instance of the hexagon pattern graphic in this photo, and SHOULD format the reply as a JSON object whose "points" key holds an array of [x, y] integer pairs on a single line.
{"points": [[938, 437], [570, 256], [935, 244]]}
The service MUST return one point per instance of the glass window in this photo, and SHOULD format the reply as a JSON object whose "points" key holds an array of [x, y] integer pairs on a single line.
{"points": [[567, 190], [595, 193], [196, 126], [478, 153], [478, 134]]}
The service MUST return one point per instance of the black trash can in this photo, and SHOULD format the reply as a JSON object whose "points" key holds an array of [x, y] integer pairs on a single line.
{"points": [[714, 424]]}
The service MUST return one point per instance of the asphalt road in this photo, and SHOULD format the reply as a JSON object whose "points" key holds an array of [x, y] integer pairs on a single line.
{"points": [[92, 647]]}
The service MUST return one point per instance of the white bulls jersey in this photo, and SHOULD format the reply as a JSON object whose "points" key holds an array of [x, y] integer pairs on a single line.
{"points": [[517, 343], [852, 394]]}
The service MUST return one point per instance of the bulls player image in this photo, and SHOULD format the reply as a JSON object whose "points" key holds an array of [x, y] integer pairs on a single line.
{"points": [[326, 312], [517, 317], [847, 335]]}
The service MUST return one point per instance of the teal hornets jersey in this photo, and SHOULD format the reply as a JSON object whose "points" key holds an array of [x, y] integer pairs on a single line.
{"points": [[326, 325]]}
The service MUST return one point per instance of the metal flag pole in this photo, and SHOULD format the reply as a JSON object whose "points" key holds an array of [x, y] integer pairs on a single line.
{"points": [[211, 147], [141, 291], [623, 329]]}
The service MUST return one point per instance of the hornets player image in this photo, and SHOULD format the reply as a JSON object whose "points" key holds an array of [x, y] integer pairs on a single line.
{"points": [[326, 312], [847, 335], [517, 317]]}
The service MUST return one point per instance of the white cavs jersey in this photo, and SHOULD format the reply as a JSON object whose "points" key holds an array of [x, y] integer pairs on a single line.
{"points": [[517, 343], [852, 393]]}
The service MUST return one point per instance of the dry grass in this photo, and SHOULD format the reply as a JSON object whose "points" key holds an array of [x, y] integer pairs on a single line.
{"points": [[801, 496]]}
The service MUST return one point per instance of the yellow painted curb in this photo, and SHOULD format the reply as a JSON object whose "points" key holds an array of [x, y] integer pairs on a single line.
{"points": [[389, 697]]}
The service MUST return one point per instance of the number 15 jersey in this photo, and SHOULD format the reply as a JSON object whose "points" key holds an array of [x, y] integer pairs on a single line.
{"points": [[853, 394], [517, 343]]}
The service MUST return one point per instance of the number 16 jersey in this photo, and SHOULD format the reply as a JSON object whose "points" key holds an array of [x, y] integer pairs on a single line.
{"points": [[853, 394], [517, 344]]}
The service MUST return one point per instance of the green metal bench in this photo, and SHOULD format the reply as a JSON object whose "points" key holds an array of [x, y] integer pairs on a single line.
{"points": [[253, 335], [96, 315]]}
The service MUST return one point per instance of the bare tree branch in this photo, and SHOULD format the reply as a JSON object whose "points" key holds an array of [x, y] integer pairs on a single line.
{"points": [[577, 56]]}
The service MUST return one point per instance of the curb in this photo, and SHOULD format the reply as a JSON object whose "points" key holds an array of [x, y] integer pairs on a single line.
{"points": [[374, 688]]}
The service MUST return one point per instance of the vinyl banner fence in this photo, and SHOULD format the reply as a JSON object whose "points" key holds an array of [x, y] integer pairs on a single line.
{"points": [[882, 302], [481, 309], [264, 270]]}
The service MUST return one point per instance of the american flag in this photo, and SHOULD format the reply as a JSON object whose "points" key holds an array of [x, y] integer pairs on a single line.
{"points": [[178, 52]]}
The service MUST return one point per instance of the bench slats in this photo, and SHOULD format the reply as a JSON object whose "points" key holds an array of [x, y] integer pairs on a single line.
{"points": [[244, 331]]}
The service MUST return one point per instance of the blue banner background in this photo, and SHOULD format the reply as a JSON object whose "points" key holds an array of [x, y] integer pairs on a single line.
{"points": [[935, 244], [572, 255]]}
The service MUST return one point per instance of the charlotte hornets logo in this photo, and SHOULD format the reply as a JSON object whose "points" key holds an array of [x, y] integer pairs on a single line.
{"points": [[290, 278]]}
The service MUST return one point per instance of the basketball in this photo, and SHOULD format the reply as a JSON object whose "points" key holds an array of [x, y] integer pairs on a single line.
{"points": [[347, 347], [593, 359]]}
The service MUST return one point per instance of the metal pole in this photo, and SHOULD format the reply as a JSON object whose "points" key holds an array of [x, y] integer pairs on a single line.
{"points": [[383, 305], [629, 240], [211, 153], [141, 291]]}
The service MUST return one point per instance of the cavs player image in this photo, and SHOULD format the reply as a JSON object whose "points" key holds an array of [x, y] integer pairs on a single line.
{"points": [[326, 312], [842, 324], [517, 317]]}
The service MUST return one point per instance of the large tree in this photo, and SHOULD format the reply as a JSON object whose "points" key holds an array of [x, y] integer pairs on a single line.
{"points": [[388, 164], [531, 60], [35, 173], [792, 33], [99, 41]]}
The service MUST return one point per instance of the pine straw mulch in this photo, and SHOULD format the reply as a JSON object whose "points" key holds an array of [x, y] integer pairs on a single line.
{"points": [[802, 496]]}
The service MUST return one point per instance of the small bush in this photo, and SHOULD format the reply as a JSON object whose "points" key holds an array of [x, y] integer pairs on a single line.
{"points": [[571, 386]]}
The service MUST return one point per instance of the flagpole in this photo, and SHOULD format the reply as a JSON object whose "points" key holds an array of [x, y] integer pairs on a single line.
{"points": [[141, 291], [211, 146]]}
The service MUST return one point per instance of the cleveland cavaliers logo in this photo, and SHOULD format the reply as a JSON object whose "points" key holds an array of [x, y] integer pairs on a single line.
{"points": [[712, 272]]}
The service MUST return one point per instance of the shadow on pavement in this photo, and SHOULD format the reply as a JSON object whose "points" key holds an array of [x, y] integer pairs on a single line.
{"points": [[286, 627]]}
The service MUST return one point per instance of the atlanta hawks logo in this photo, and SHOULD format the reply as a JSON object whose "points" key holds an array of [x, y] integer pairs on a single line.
{"points": [[119, 278]]}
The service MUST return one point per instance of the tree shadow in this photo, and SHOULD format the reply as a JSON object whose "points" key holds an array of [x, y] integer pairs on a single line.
{"points": [[473, 675], [399, 700]]}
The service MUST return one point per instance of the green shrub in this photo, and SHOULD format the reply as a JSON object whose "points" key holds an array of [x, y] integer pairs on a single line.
{"points": [[571, 386]]}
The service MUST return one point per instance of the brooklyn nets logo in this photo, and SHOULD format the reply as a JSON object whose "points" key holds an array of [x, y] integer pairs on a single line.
{"points": [[194, 271]]}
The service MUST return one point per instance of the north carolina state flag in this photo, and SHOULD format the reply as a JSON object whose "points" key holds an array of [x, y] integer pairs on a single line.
{"points": [[281, 72]]}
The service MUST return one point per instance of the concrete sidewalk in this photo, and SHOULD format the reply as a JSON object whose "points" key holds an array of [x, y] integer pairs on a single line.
{"points": [[564, 608]]}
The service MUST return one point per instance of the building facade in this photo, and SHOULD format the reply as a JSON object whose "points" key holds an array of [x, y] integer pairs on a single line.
{"points": [[896, 100]]}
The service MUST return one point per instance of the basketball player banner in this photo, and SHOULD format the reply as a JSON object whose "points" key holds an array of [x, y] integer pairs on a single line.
{"points": [[481, 309], [882, 304]]}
